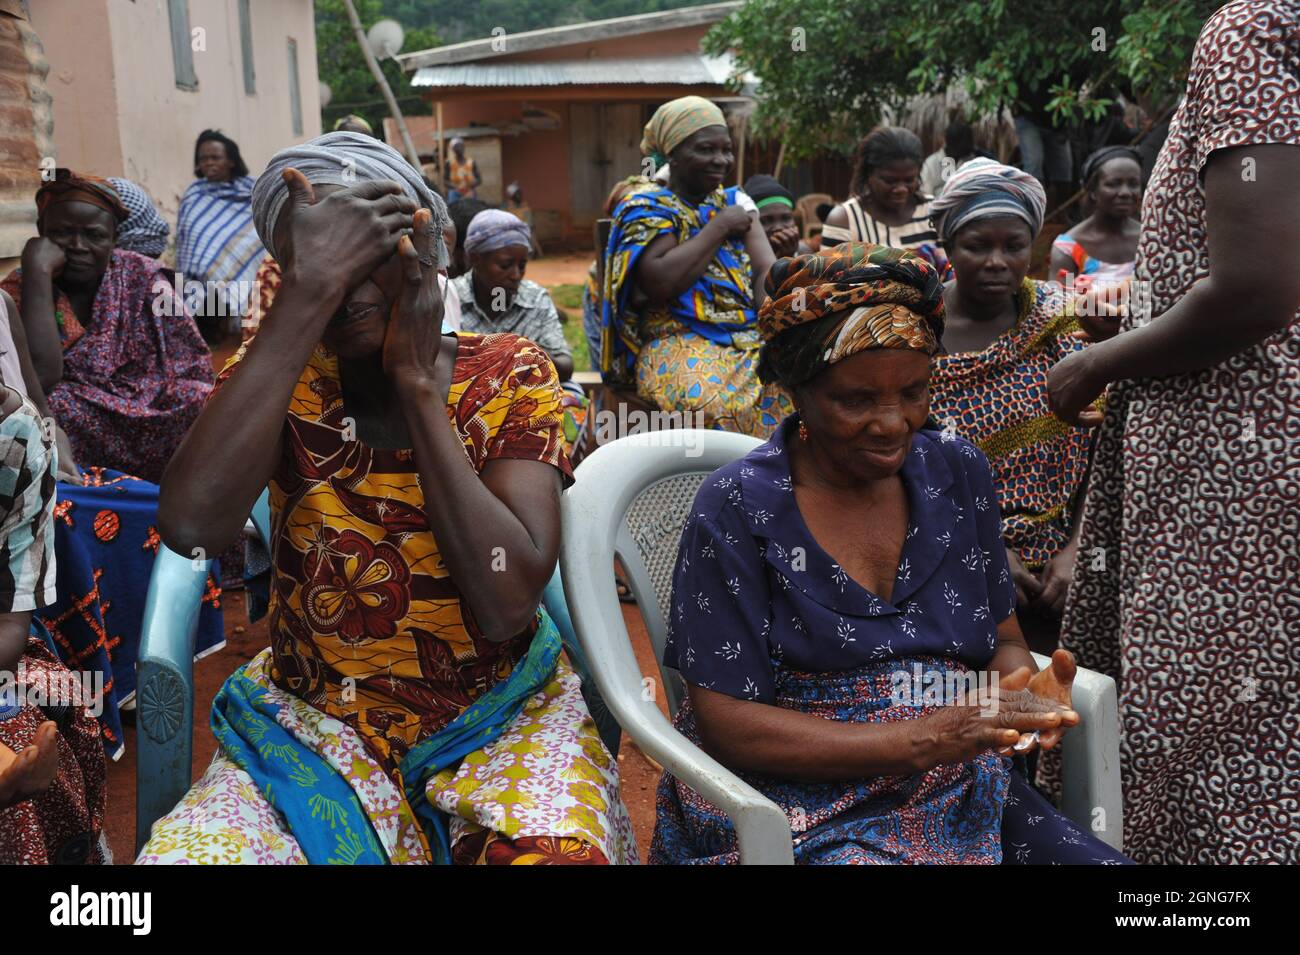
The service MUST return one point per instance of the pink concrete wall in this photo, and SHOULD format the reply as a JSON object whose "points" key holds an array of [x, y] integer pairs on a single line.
{"points": [[82, 83], [118, 111], [539, 161]]}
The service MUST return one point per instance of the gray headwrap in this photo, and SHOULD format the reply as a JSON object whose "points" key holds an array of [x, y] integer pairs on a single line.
{"points": [[342, 159], [494, 229], [984, 189]]}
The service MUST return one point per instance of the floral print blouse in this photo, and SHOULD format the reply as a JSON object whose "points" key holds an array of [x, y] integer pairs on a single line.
{"points": [[753, 592]]}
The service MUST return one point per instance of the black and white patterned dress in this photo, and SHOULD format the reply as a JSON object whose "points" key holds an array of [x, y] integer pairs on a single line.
{"points": [[1194, 508]]}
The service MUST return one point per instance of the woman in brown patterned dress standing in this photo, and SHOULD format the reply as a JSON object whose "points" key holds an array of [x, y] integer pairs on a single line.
{"points": [[1185, 587]]}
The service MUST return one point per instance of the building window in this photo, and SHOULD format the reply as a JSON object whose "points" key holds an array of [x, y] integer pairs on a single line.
{"points": [[246, 45], [182, 52], [295, 95]]}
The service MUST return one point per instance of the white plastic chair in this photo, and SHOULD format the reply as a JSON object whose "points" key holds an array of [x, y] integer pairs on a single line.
{"points": [[630, 501]]}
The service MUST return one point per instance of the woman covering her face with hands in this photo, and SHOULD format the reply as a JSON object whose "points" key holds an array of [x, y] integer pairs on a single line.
{"points": [[415, 482]]}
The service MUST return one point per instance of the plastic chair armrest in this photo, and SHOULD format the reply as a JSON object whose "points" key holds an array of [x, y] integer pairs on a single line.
{"points": [[165, 678], [1091, 794]]}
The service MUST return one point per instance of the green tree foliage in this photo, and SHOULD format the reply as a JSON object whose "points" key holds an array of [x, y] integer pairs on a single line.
{"points": [[430, 23], [341, 65], [828, 67]]}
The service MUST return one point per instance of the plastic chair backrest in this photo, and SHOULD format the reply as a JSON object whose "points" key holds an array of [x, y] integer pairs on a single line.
{"points": [[807, 206], [629, 502], [656, 477]]}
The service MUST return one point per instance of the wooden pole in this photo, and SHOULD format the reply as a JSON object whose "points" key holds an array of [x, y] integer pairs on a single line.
{"points": [[412, 156], [780, 159], [442, 153], [740, 153]]}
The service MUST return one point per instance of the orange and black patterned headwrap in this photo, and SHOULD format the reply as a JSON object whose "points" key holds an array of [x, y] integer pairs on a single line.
{"points": [[823, 307], [67, 186]]}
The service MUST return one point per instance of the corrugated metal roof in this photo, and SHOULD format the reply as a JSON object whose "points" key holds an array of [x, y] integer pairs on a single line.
{"points": [[683, 70], [508, 44]]}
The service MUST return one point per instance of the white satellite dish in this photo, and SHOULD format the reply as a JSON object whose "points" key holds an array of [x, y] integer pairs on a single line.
{"points": [[326, 94], [385, 38]]}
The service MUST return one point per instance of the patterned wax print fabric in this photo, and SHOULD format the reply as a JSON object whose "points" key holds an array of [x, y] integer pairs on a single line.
{"points": [[1100, 274], [27, 489], [265, 284], [917, 234], [105, 542], [216, 242], [460, 174], [591, 315], [63, 824], [760, 612], [544, 792], [367, 626], [134, 378], [697, 355], [1193, 504], [997, 400]]}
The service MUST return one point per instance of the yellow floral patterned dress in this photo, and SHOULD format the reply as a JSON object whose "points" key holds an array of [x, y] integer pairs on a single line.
{"points": [[372, 650]]}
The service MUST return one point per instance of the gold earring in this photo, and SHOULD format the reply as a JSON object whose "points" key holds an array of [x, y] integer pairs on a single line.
{"points": [[803, 431]]}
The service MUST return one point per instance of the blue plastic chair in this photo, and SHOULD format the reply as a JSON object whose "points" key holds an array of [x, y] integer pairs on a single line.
{"points": [[165, 686], [165, 676]]}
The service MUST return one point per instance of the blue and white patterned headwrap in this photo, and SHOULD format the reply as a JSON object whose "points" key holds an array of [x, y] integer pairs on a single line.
{"points": [[983, 189], [494, 229], [143, 230], [342, 159]]}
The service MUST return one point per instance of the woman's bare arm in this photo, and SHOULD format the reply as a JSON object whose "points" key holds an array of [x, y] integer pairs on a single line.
{"points": [[498, 532], [761, 258], [1235, 306], [230, 452], [666, 269]]}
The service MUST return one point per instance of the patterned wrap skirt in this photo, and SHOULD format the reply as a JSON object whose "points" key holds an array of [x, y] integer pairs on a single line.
{"points": [[545, 791], [979, 812]]}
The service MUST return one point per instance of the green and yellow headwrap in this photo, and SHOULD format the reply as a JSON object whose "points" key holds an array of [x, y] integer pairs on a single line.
{"points": [[676, 120], [822, 308]]}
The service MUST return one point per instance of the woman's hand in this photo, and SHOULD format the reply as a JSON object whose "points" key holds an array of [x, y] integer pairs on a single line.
{"points": [[1101, 325], [1055, 683], [336, 242], [1072, 386], [733, 222], [1028, 587], [785, 241], [957, 734], [29, 773], [1099, 310], [1047, 693], [1056, 579], [414, 333], [42, 257]]}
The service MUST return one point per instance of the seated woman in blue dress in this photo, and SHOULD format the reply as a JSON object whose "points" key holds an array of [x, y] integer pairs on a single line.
{"points": [[840, 589]]}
